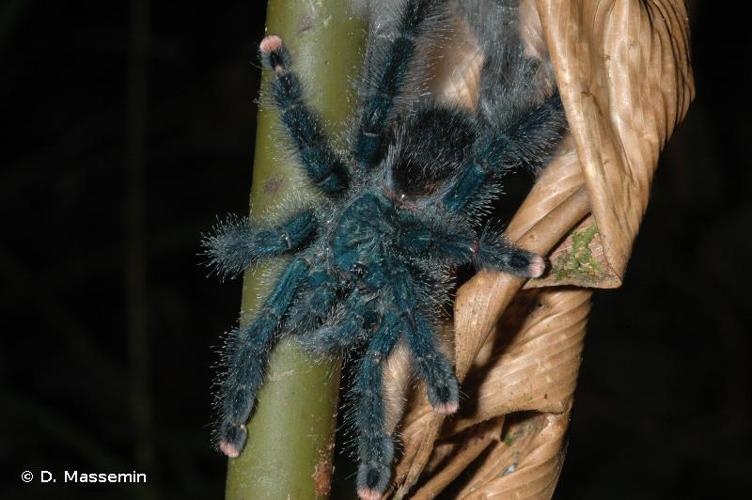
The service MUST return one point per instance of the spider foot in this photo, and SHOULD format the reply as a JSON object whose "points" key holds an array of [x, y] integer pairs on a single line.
{"points": [[368, 494], [372, 481], [536, 266], [270, 44], [274, 55], [232, 440], [446, 408], [444, 397], [230, 248], [494, 253]]}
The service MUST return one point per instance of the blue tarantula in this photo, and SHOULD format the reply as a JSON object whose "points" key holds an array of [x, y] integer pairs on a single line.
{"points": [[404, 210]]}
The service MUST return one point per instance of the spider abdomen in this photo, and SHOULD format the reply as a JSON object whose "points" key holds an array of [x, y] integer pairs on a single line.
{"points": [[433, 145]]}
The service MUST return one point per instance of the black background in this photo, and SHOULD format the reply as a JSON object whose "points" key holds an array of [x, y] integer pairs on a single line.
{"points": [[663, 403]]}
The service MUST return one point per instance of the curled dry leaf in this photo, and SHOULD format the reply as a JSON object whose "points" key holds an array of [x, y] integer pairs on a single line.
{"points": [[623, 71]]}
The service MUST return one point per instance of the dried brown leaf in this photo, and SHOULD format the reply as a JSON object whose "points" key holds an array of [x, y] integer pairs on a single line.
{"points": [[623, 71]]}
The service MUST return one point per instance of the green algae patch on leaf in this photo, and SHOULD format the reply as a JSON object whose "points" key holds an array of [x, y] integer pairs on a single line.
{"points": [[578, 263]]}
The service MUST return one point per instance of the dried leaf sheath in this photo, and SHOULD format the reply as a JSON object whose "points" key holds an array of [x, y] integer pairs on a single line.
{"points": [[624, 74]]}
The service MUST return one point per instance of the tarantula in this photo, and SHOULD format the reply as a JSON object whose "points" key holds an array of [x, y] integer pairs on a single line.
{"points": [[404, 210]]}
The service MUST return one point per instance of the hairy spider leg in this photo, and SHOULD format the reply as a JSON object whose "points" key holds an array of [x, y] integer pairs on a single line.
{"points": [[314, 305], [494, 252], [325, 169], [375, 445], [529, 143], [248, 353], [236, 244], [390, 78], [456, 245], [507, 67], [432, 365], [359, 316]]}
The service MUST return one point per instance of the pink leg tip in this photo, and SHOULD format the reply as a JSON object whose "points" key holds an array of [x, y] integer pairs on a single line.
{"points": [[270, 44], [446, 408], [368, 494], [229, 450], [537, 266]]}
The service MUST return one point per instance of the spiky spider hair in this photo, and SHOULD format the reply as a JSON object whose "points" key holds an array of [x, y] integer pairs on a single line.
{"points": [[404, 209]]}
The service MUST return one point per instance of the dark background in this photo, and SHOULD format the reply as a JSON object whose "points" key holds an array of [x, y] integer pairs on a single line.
{"points": [[663, 402]]}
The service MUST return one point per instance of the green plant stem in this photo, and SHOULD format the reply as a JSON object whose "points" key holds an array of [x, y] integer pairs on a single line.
{"points": [[291, 432]]}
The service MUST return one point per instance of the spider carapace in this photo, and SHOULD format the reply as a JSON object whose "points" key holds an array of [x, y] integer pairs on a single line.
{"points": [[373, 264]]}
